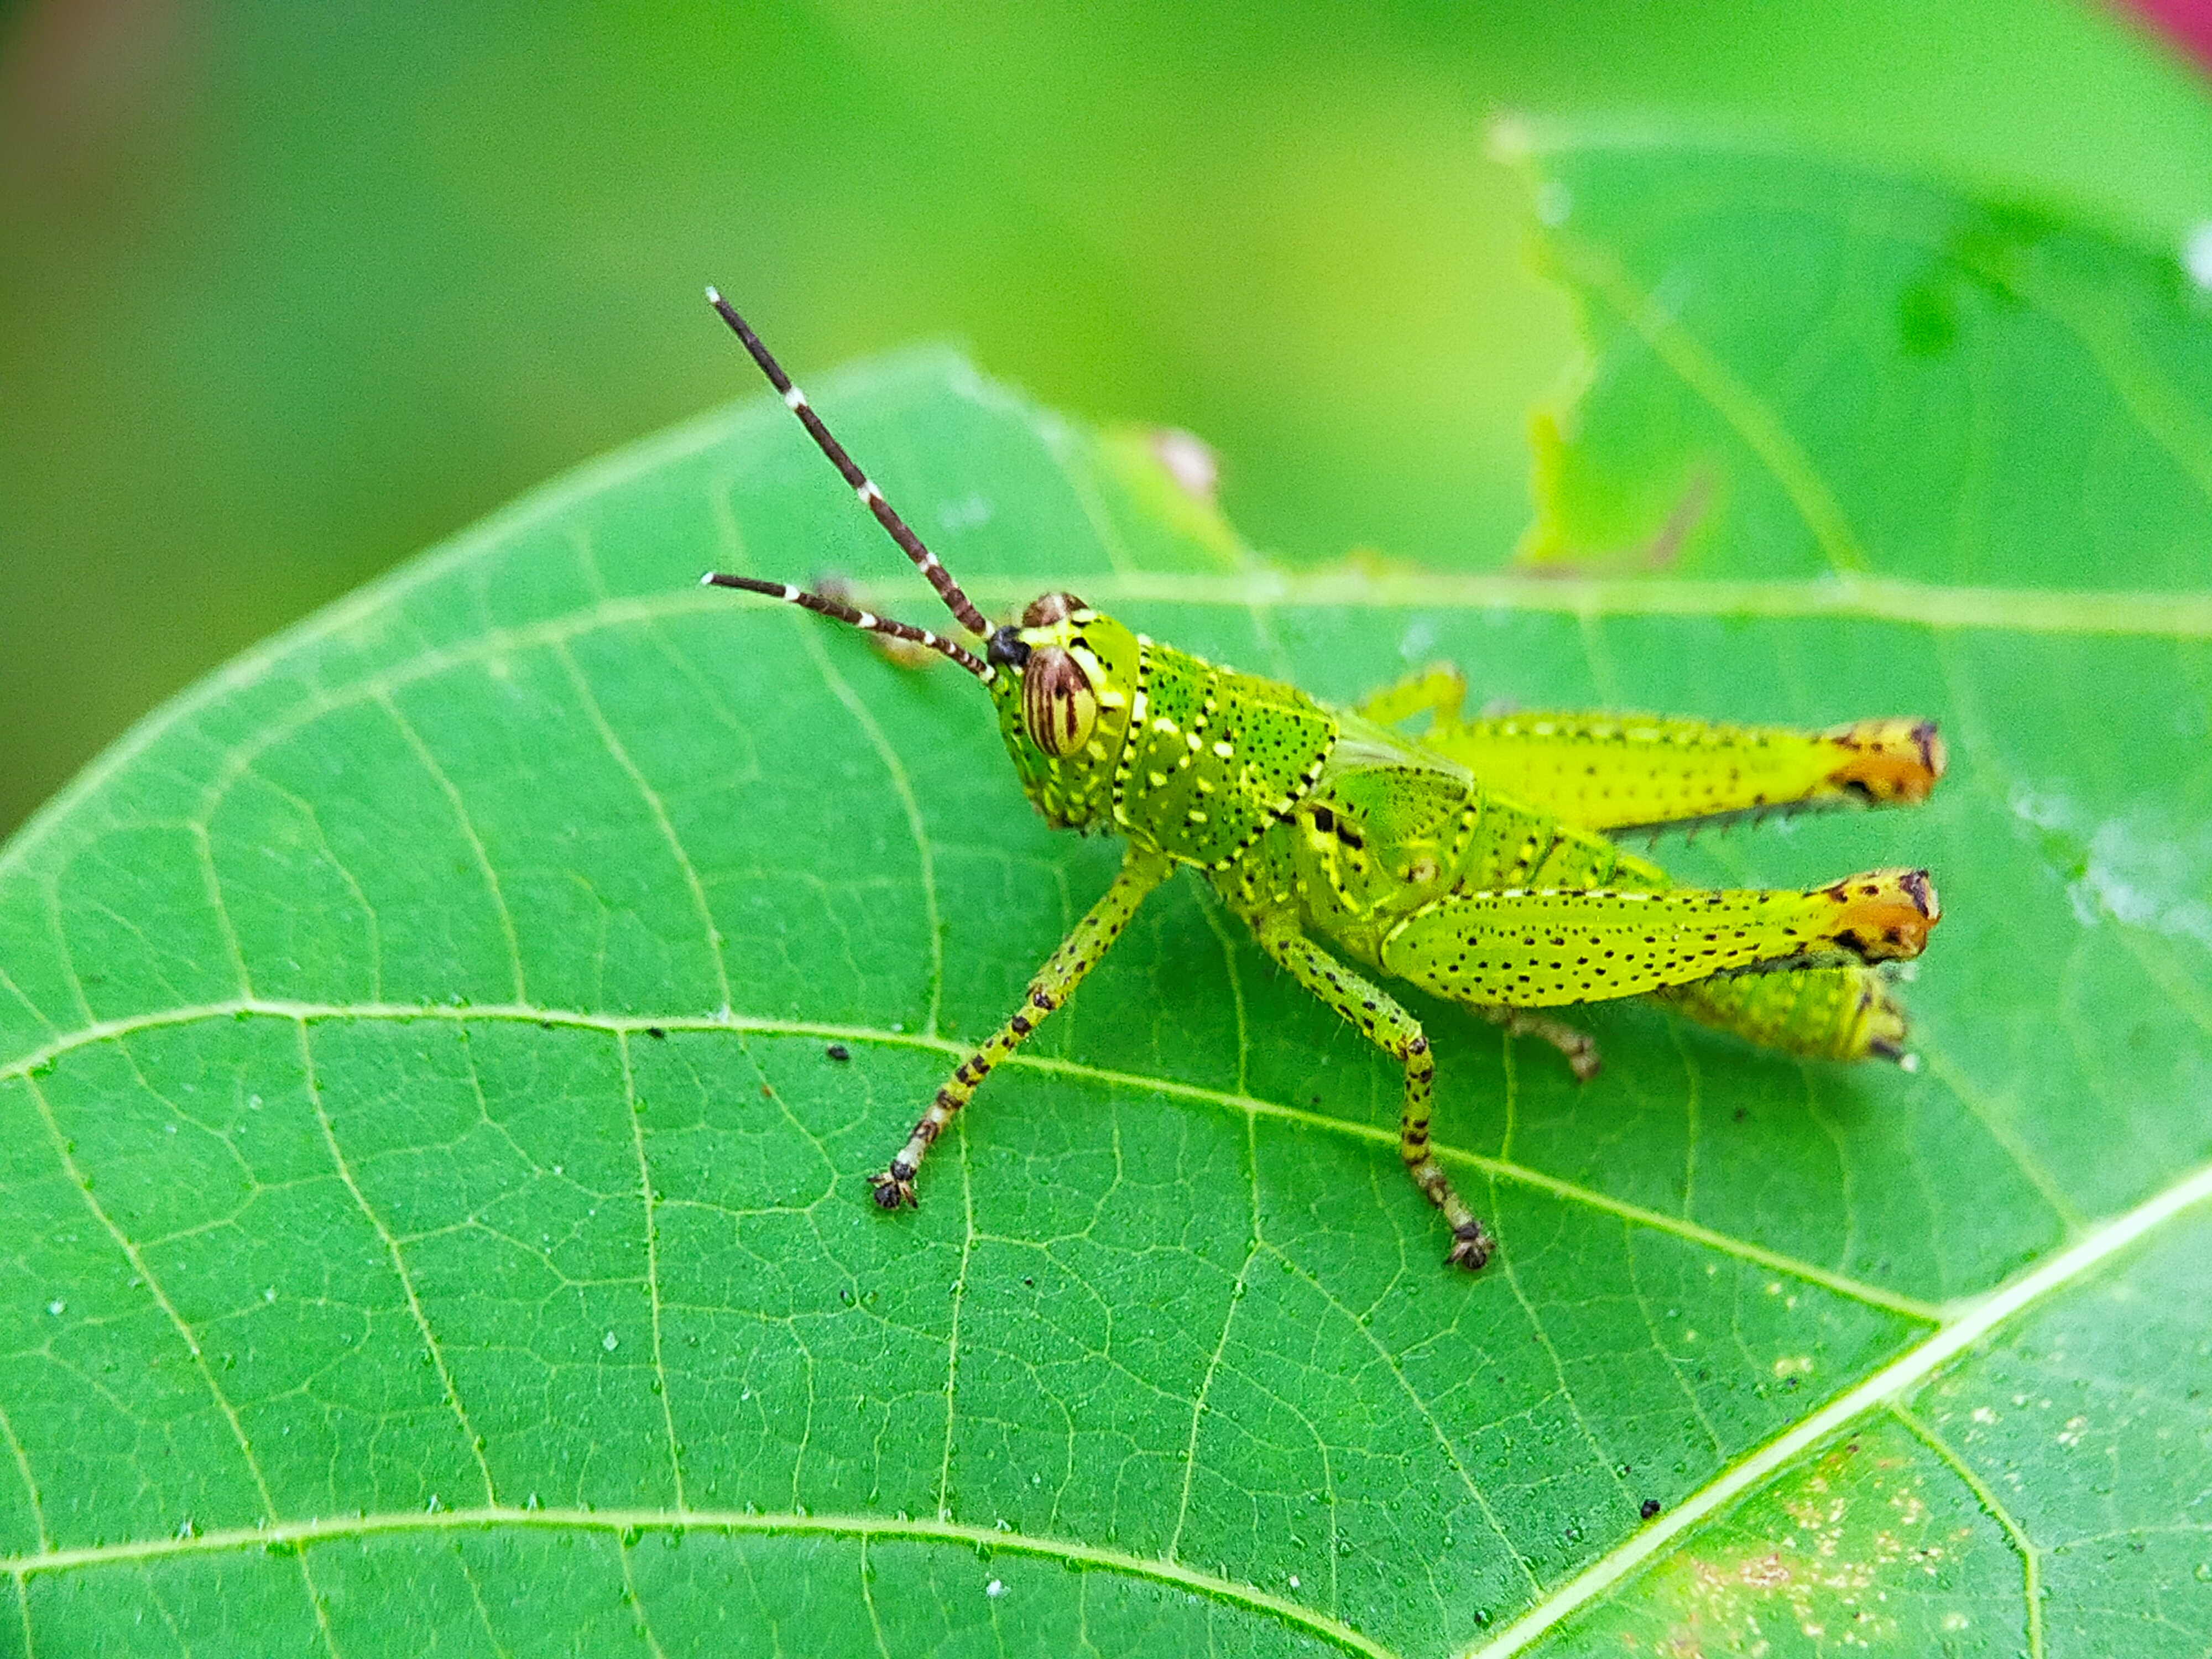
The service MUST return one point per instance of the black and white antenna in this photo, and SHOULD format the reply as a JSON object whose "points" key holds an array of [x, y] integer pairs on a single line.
{"points": [[872, 498], [866, 620]]}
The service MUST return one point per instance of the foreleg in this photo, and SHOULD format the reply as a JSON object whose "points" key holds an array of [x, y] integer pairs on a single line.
{"points": [[1399, 1035], [1055, 984]]}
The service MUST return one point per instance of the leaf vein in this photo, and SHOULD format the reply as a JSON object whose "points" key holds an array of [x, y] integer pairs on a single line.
{"points": [[732, 1523], [2031, 1562], [468, 828], [1236, 1288], [1421, 1406], [153, 1283], [660, 810], [399, 1260], [901, 785], [651, 1201], [23, 1469], [1910, 1368], [109, 1030], [1740, 408]]}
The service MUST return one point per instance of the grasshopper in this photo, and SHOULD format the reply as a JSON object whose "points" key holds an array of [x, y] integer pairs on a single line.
{"points": [[1473, 861]]}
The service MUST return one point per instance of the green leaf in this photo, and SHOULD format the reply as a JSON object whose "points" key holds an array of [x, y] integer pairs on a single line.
{"points": [[1983, 419], [1827, 372], [438, 1219]]}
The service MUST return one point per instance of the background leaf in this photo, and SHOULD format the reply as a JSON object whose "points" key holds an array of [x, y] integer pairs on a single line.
{"points": [[1857, 375], [1278, 230], [439, 1222]]}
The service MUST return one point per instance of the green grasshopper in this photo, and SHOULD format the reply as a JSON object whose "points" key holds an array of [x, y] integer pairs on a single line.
{"points": [[1473, 862]]}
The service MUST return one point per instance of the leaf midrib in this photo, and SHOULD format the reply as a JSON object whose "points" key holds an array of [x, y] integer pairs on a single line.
{"points": [[624, 1026], [2149, 613]]}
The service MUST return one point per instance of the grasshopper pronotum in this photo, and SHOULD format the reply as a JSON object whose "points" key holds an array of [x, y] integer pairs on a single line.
{"points": [[1471, 861]]}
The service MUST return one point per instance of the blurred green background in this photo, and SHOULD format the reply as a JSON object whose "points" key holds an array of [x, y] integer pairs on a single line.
{"points": [[288, 292]]}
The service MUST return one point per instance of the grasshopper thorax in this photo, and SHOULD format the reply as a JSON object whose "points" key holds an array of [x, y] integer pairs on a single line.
{"points": [[1109, 730]]}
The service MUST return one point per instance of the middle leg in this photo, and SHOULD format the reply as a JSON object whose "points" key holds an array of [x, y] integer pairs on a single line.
{"points": [[1577, 1047], [1399, 1035]]}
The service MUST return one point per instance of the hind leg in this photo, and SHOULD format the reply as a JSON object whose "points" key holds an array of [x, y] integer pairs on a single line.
{"points": [[1544, 948]]}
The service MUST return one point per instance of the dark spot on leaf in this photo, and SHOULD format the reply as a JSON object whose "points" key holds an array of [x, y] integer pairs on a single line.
{"points": [[1649, 1508], [655, 1032], [838, 1051]]}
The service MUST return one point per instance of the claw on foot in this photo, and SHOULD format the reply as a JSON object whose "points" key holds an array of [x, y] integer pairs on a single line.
{"points": [[893, 1189], [1471, 1248]]}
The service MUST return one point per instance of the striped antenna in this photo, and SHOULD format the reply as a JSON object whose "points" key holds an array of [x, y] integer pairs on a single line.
{"points": [[871, 497], [862, 619]]}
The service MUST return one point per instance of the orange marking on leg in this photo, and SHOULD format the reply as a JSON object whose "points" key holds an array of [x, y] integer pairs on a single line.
{"points": [[1884, 915], [1889, 761]]}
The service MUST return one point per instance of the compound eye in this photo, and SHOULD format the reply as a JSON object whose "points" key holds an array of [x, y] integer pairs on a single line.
{"points": [[1046, 608], [1058, 705]]}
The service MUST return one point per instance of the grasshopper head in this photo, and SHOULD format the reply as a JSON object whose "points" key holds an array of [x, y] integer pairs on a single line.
{"points": [[1064, 680]]}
